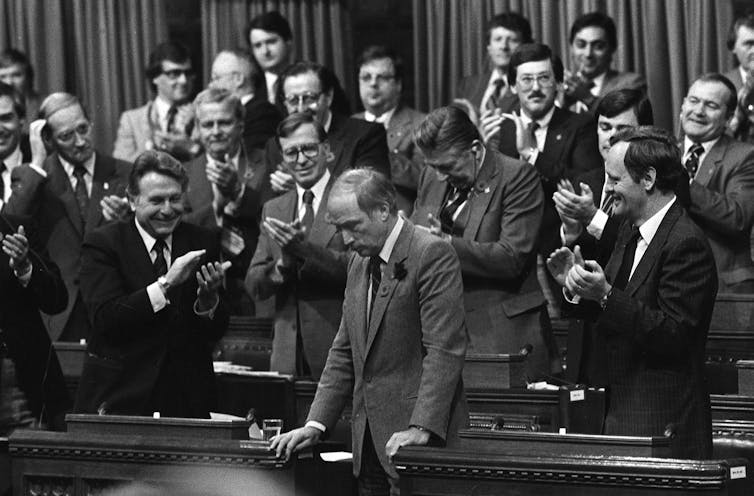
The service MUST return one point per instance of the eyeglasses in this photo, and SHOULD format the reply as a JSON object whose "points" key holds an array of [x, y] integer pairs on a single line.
{"points": [[304, 99], [216, 77], [80, 130], [544, 80], [379, 78], [176, 73], [308, 150]]}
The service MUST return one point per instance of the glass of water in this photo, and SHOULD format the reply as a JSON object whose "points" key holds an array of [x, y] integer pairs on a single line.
{"points": [[271, 428]]}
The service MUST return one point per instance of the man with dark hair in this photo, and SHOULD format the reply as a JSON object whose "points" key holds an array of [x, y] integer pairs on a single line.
{"points": [[163, 123], [227, 188], [69, 193], [270, 38], [16, 70], [490, 90], [721, 174], [310, 87], [741, 44], [380, 87], [300, 258], [152, 287], [399, 351], [593, 43], [654, 299], [489, 208], [238, 72], [14, 145]]}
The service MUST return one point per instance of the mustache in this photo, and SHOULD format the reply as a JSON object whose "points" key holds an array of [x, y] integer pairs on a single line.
{"points": [[536, 94]]}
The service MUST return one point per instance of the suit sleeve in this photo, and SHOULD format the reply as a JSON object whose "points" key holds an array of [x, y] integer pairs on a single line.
{"points": [[371, 150], [45, 284], [259, 283], [585, 154], [125, 142], [261, 126], [520, 217]]}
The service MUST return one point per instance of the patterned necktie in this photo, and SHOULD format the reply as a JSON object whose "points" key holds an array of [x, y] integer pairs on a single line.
{"points": [[624, 272], [607, 204], [82, 197], [494, 99], [457, 198], [692, 163], [170, 125], [308, 219], [160, 264], [532, 127], [375, 274]]}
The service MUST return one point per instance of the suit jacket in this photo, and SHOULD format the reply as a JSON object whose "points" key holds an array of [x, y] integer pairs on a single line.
{"points": [[722, 203], [51, 202], [406, 160], [404, 367], [473, 88], [136, 128], [23, 333], [244, 220], [653, 336], [309, 300], [735, 77], [132, 347], [353, 142], [504, 303], [261, 120], [570, 149]]}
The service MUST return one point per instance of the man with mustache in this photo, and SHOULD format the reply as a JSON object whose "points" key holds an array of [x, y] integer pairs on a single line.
{"points": [[152, 287], [226, 188], [741, 45]]}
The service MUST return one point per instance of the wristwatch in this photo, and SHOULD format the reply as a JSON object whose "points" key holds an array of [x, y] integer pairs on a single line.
{"points": [[603, 300]]}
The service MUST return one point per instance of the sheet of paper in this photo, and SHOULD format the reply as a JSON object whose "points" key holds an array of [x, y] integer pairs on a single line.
{"points": [[336, 456]]}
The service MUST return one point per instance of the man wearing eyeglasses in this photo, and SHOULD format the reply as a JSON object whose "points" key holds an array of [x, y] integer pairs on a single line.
{"points": [[301, 259], [69, 193], [164, 123], [310, 87], [380, 87]]}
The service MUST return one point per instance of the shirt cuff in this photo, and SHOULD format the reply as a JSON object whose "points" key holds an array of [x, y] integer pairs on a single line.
{"points": [[232, 206], [156, 297], [38, 170], [571, 298], [316, 425], [24, 278], [533, 157], [207, 313], [597, 224], [567, 240]]}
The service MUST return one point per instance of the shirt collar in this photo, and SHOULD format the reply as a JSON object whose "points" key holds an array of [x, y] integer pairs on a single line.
{"points": [[496, 74], [162, 107], [245, 98], [69, 167], [688, 143], [383, 118], [598, 82], [650, 226], [543, 122], [150, 240], [318, 189], [14, 159], [387, 248], [328, 121], [744, 74]]}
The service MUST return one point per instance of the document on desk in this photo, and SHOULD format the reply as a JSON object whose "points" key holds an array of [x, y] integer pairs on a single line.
{"points": [[235, 369], [336, 456]]}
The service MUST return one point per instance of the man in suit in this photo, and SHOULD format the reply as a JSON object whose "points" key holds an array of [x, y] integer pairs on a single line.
{"points": [[309, 87], [721, 173], [301, 259], [655, 299], [163, 123], [400, 347], [741, 44], [151, 285], [271, 41], [238, 72], [14, 145], [593, 43], [29, 282], [16, 71], [489, 208], [227, 188], [69, 193], [489, 92], [380, 87]]}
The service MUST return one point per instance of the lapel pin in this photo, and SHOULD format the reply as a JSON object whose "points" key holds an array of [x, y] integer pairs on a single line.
{"points": [[106, 186], [383, 290], [558, 137]]}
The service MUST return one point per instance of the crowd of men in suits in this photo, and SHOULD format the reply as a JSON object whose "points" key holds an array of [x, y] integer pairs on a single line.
{"points": [[386, 245]]}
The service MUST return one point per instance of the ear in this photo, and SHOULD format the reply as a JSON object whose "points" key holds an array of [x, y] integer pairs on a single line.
{"points": [[329, 155], [648, 181], [329, 97], [475, 146]]}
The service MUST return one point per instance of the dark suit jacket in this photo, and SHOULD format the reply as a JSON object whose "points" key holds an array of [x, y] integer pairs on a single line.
{"points": [[406, 160], [615, 80], [52, 204], [473, 87], [404, 368], [735, 77], [570, 149], [653, 336], [131, 346], [23, 333], [504, 304], [245, 220], [354, 142], [310, 299], [261, 120], [722, 203]]}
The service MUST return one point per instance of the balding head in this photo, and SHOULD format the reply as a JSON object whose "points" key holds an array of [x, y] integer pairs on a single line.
{"points": [[235, 71]]}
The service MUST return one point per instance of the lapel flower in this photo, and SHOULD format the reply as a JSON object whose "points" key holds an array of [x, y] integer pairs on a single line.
{"points": [[399, 271]]}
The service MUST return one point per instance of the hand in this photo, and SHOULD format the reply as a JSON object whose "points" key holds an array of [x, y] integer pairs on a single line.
{"points": [[410, 437], [16, 246], [36, 143], [178, 145], [281, 181], [577, 87], [435, 228], [209, 278], [588, 281], [489, 124], [525, 142], [295, 440], [225, 177], [560, 262], [114, 207], [284, 234], [574, 206], [183, 267]]}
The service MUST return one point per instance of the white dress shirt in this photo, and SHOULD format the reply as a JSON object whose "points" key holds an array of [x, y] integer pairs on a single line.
{"points": [[318, 190], [383, 118], [157, 298], [88, 177], [270, 78], [11, 162], [540, 133], [688, 143]]}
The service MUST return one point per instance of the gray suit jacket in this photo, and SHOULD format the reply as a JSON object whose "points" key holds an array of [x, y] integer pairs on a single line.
{"points": [[404, 368], [735, 77], [136, 128]]}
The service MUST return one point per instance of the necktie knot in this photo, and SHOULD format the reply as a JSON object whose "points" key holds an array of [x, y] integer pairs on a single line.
{"points": [[160, 264], [697, 149], [79, 171], [159, 246], [308, 197], [692, 163]]}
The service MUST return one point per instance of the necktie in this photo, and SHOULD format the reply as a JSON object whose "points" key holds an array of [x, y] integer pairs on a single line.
{"points": [[447, 214], [607, 204], [375, 274], [82, 197], [624, 272], [494, 100], [160, 264], [692, 163], [172, 111], [532, 127], [308, 219]]}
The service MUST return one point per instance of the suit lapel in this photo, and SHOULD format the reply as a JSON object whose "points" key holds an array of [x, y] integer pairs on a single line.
{"points": [[554, 142], [103, 171], [334, 136], [61, 186], [712, 161], [201, 189], [322, 231], [613, 265], [480, 196]]}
